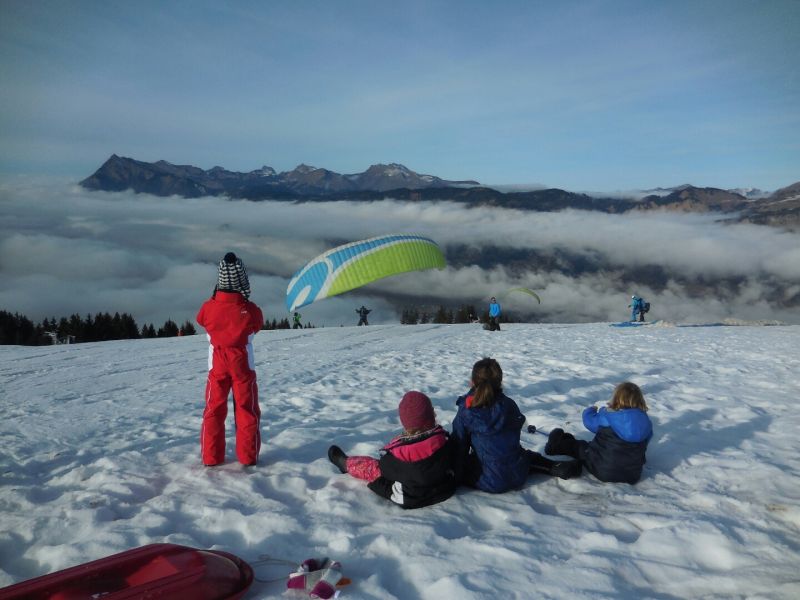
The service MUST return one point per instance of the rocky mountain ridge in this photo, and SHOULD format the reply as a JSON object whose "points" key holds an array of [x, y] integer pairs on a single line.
{"points": [[165, 179], [307, 183]]}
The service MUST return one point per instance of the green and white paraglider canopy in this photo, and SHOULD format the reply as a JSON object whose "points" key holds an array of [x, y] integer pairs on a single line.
{"points": [[353, 265]]}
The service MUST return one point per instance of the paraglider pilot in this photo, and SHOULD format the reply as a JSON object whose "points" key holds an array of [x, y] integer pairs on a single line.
{"points": [[637, 308], [494, 315], [297, 324], [362, 315]]}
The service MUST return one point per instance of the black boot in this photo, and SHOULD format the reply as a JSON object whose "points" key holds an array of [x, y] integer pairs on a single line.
{"points": [[552, 441], [561, 444], [563, 469], [566, 469], [338, 457]]}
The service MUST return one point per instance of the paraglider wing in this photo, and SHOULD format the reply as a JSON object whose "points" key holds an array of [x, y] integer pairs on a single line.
{"points": [[524, 291], [352, 265]]}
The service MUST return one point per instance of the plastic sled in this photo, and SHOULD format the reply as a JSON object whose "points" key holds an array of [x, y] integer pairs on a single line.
{"points": [[162, 571]]}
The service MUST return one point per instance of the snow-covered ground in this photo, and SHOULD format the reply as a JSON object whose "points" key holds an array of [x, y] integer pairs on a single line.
{"points": [[100, 454]]}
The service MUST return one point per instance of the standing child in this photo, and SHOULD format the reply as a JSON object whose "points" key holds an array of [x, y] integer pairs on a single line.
{"points": [[231, 321], [486, 430], [622, 431], [416, 467]]}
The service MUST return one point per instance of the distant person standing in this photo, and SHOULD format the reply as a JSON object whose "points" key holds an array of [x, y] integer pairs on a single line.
{"points": [[494, 315], [297, 324], [637, 307], [231, 321], [362, 315]]}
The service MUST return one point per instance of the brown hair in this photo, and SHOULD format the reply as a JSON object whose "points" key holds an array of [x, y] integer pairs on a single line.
{"points": [[627, 395], [487, 378]]}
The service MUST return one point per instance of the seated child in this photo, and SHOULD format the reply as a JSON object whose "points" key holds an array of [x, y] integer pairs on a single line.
{"points": [[486, 431], [416, 467], [622, 431]]}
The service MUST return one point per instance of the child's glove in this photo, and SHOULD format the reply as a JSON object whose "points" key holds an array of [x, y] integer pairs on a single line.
{"points": [[317, 576]]}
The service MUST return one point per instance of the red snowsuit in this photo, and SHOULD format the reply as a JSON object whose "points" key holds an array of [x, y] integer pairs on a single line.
{"points": [[230, 321]]}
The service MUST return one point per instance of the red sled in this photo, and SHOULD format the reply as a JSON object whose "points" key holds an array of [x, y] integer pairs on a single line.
{"points": [[163, 571]]}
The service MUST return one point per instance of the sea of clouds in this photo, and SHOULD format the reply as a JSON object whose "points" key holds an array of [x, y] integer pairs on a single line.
{"points": [[65, 250]]}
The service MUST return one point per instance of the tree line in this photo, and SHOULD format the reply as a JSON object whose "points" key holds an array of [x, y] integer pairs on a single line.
{"points": [[20, 330], [466, 313]]}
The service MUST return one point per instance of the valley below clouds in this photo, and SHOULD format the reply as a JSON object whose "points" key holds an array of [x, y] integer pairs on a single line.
{"points": [[65, 250]]}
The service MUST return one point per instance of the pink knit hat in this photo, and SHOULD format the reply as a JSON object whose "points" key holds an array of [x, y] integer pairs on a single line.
{"points": [[416, 412]]}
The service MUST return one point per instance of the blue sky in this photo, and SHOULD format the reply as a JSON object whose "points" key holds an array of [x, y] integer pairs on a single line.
{"points": [[597, 96]]}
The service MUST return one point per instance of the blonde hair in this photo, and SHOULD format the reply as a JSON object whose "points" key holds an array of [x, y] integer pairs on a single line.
{"points": [[627, 395], [487, 378]]}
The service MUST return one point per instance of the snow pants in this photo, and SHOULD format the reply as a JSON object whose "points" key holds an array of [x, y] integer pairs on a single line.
{"points": [[363, 467], [231, 368]]}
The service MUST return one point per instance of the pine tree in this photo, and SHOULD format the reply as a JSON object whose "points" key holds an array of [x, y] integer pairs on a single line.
{"points": [[170, 329], [187, 328]]}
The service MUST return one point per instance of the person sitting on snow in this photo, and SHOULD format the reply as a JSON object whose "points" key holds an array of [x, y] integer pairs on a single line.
{"points": [[486, 430], [416, 467], [231, 321], [622, 431]]}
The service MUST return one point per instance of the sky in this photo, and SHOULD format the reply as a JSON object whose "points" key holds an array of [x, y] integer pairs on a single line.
{"points": [[66, 250], [101, 454], [584, 96]]}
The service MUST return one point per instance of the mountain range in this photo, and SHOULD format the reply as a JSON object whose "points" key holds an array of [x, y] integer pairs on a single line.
{"points": [[306, 183], [165, 179]]}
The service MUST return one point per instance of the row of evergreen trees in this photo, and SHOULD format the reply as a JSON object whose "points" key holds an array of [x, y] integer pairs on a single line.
{"points": [[463, 314], [20, 330]]}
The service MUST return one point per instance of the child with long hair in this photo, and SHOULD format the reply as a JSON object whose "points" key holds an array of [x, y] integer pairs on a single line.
{"points": [[416, 468], [622, 431], [486, 431]]}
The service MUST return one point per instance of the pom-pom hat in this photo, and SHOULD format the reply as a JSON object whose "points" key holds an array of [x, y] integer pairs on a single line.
{"points": [[232, 275]]}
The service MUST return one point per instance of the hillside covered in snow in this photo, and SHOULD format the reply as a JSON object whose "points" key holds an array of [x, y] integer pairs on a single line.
{"points": [[100, 454]]}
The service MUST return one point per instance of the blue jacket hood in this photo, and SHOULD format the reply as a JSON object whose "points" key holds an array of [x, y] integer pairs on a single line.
{"points": [[630, 424]]}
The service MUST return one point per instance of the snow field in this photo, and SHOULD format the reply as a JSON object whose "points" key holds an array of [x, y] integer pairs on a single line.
{"points": [[100, 453]]}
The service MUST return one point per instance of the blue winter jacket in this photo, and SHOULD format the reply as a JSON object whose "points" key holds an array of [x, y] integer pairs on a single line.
{"points": [[489, 455], [494, 309], [617, 452], [637, 304]]}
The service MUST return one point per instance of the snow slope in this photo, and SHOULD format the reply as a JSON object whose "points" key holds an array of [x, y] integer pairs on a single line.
{"points": [[100, 453]]}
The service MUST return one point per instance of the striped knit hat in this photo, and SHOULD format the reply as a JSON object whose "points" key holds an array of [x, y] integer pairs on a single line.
{"points": [[233, 276]]}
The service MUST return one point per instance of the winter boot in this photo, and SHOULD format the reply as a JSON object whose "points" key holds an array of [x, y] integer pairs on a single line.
{"points": [[560, 443], [552, 441], [566, 469], [563, 469], [338, 457]]}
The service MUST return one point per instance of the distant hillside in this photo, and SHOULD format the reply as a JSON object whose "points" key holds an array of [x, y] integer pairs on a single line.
{"points": [[688, 198], [781, 209]]}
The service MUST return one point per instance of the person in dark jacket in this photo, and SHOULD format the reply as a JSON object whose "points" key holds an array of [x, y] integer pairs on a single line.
{"points": [[416, 468], [362, 315], [622, 431], [486, 431]]}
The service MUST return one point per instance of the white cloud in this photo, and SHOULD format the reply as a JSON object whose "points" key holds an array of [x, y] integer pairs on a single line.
{"points": [[64, 250]]}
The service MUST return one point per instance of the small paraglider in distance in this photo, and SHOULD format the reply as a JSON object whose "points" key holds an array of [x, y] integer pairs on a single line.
{"points": [[522, 290], [356, 264]]}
